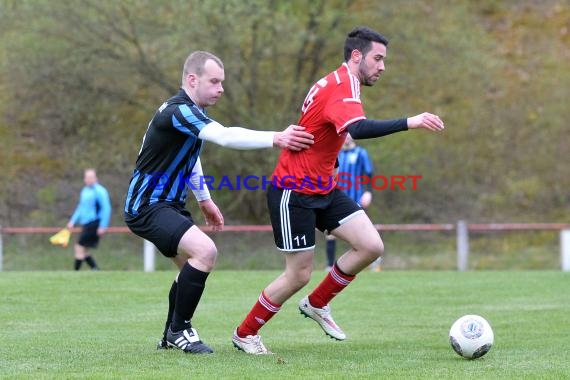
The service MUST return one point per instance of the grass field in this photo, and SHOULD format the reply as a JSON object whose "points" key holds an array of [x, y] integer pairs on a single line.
{"points": [[62, 325]]}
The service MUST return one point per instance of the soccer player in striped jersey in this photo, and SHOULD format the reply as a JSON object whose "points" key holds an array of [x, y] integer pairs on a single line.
{"points": [[304, 194], [168, 165]]}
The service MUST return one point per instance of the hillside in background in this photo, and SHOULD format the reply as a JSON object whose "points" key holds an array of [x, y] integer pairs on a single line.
{"points": [[79, 85]]}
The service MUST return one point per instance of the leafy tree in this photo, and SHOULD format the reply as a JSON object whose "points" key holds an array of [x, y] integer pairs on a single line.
{"points": [[80, 83]]}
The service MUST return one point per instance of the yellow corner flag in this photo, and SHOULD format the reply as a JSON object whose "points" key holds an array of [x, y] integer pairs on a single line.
{"points": [[61, 238]]}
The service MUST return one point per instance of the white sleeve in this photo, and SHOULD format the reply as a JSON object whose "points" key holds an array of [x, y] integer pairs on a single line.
{"points": [[199, 188], [236, 137]]}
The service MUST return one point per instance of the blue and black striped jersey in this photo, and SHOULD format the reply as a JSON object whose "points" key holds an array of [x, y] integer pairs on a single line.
{"points": [[169, 151], [352, 164]]}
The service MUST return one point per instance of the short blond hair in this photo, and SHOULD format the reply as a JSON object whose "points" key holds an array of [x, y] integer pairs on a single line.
{"points": [[196, 61]]}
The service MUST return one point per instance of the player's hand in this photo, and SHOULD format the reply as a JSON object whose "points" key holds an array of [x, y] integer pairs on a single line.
{"points": [[293, 138], [212, 214], [101, 231], [365, 199], [426, 120]]}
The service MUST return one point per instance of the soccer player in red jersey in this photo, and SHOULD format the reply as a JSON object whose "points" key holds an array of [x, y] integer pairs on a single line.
{"points": [[303, 195]]}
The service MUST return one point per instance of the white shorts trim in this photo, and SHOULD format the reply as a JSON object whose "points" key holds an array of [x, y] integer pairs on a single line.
{"points": [[285, 220], [346, 219], [296, 250]]}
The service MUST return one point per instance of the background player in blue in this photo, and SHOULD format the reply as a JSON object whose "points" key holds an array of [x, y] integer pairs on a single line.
{"points": [[93, 212], [168, 166], [353, 162]]}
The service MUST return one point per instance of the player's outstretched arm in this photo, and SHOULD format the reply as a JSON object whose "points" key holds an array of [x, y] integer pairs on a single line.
{"points": [[426, 120], [241, 138], [293, 138], [368, 129]]}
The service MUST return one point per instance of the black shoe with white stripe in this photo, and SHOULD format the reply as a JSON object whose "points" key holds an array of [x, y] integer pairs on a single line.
{"points": [[188, 341]]}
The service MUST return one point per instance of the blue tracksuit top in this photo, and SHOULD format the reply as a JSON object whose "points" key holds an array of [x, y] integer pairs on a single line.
{"points": [[94, 203]]}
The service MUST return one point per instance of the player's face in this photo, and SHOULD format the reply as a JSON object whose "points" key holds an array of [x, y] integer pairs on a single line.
{"points": [[372, 64], [348, 142], [209, 85], [89, 178]]}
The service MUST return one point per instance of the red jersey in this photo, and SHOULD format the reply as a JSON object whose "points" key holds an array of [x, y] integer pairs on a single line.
{"points": [[332, 104]]}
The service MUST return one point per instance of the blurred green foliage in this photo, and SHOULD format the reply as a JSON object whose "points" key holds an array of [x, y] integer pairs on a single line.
{"points": [[80, 83]]}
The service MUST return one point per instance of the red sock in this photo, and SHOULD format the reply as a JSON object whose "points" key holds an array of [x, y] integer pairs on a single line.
{"points": [[260, 314], [333, 283]]}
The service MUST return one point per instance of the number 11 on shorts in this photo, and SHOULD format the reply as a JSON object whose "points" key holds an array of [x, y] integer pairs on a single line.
{"points": [[300, 241]]}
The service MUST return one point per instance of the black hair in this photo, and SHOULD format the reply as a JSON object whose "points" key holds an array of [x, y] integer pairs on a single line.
{"points": [[361, 38]]}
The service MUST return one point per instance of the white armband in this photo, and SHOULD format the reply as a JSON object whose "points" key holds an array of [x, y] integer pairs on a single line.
{"points": [[236, 137], [199, 188]]}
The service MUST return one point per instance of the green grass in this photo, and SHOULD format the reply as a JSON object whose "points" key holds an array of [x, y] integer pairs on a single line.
{"points": [[60, 325]]}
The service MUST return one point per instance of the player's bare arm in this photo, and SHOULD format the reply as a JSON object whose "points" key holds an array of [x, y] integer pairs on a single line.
{"points": [[293, 138], [427, 121]]}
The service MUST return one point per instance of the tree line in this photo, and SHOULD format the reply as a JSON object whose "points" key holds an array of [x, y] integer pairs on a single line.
{"points": [[80, 81]]}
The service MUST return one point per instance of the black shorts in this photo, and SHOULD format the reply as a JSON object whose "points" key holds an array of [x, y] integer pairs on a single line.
{"points": [[294, 216], [163, 224], [89, 237]]}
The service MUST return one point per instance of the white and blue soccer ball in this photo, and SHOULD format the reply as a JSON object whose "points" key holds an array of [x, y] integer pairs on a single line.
{"points": [[471, 336]]}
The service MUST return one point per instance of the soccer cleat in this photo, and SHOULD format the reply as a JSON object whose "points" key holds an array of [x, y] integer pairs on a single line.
{"points": [[323, 317], [251, 344], [188, 341], [162, 344]]}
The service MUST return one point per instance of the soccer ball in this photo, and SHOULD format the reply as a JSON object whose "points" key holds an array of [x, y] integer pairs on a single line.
{"points": [[471, 336]]}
